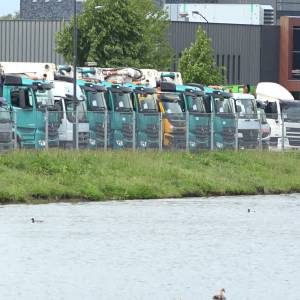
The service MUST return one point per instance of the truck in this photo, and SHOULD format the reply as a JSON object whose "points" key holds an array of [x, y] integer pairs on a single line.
{"points": [[120, 115], [283, 115], [72, 111], [31, 101], [173, 118], [97, 113], [249, 125], [224, 119], [194, 106], [147, 116]]}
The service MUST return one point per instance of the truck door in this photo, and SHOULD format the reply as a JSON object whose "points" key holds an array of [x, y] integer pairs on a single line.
{"points": [[22, 101]]}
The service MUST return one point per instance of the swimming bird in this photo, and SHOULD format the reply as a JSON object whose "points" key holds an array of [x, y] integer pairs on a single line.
{"points": [[33, 220], [220, 296]]}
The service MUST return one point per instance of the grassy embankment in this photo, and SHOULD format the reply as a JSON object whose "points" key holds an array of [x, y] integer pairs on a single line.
{"points": [[60, 175]]}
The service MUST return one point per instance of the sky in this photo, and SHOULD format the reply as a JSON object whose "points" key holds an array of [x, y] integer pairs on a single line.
{"points": [[9, 6]]}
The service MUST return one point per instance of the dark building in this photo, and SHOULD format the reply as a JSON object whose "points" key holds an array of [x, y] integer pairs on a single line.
{"points": [[47, 9]]}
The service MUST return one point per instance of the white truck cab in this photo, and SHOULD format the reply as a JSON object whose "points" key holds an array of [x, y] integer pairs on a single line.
{"points": [[63, 94], [283, 115], [248, 120]]}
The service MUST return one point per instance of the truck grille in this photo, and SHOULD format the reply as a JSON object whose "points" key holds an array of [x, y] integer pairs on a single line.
{"points": [[152, 131], [294, 142], [100, 131], [83, 138], [127, 131], [201, 131], [228, 133]]}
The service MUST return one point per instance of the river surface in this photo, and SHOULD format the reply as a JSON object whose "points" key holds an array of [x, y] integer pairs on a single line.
{"points": [[152, 250]]}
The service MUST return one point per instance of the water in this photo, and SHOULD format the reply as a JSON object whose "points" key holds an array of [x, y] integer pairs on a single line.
{"points": [[162, 249]]}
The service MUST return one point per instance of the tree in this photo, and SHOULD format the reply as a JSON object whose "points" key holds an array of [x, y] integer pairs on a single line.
{"points": [[197, 63], [13, 16], [120, 33]]}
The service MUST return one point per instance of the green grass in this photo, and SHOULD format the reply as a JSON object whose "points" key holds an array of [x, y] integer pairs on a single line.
{"points": [[28, 176]]}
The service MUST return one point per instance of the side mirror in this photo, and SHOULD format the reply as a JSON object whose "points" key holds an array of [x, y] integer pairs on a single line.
{"points": [[238, 109]]}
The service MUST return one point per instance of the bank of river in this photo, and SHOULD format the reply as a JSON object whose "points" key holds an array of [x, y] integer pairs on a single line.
{"points": [[156, 249], [30, 176]]}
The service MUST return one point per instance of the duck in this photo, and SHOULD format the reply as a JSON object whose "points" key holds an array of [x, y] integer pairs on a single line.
{"points": [[33, 220], [220, 296]]}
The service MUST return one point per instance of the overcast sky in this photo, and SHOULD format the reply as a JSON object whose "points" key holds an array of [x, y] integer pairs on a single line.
{"points": [[9, 6]]}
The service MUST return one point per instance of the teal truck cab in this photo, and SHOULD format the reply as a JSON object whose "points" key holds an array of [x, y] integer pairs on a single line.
{"points": [[192, 102], [120, 115], [148, 124], [224, 121], [96, 112], [30, 101]]}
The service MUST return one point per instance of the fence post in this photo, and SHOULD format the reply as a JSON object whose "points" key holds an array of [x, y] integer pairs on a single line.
{"points": [[282, 132], [212, 133], [187, 131], [236, 135], [15, 129], [260, 132], [46, 128], [105, 129], [77, 127], [160, 131], [133, 131]]}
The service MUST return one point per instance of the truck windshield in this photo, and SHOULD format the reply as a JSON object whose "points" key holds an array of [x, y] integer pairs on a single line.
{"points": [[224, 105], [271, 110], [81, 111], [122, 101], [44, 97], [195, 104], [96, 101], [172, 107], [246, 108], [291, 112], [147, 103]]}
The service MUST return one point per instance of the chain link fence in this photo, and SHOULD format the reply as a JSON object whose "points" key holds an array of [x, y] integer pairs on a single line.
{"points": [[141, 131]]}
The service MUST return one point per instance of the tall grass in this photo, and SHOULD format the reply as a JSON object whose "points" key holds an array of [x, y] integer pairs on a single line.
{"points": [[28, 176]]}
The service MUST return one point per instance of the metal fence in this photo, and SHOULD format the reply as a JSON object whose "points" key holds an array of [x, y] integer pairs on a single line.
{"points": [[141, 131]]}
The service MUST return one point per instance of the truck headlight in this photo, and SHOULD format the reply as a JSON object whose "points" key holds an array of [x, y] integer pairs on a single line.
{"points": [[42, 143], [120, 143], [192, 144], [219, 145], [143, 144], [92, 142]]}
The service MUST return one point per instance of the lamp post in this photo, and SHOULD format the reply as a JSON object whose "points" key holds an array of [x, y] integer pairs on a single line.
{"points": [[195, 12], [75, 135]]}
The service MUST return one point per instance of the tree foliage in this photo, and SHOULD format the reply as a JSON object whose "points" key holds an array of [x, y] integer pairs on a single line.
{"points": [[120, 33], [197, 63], [13, 16]]}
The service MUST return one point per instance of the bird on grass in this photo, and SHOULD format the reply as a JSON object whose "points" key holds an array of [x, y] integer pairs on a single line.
{"points": [[220, 296], [33, 220]]}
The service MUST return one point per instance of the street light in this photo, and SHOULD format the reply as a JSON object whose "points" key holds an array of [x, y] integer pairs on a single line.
{"points": [[75, 135], [195, 12], [75, 35]]}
